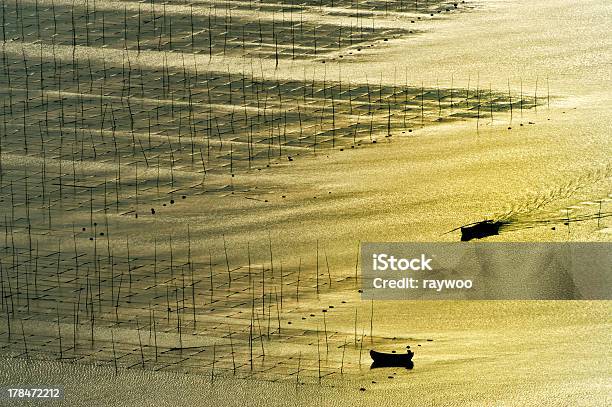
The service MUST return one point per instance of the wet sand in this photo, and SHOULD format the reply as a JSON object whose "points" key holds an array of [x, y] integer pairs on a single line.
{"points": [[417, 187]]}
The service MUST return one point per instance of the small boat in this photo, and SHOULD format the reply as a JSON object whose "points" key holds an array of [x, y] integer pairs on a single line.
{"points": [[382, 359], [480, 230]]}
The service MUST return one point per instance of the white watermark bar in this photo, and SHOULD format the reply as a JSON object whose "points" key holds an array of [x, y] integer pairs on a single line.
{"points": [[486, 271]]}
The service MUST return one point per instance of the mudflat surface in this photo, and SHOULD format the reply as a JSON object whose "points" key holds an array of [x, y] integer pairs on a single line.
{"points": [[306, 216]]}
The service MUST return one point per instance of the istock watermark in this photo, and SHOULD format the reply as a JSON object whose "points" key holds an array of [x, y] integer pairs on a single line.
{"points": [[383, 262], [487, 271]]}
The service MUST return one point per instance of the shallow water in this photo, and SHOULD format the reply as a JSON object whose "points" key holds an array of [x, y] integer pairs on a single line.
{"points": [[416, 188]]}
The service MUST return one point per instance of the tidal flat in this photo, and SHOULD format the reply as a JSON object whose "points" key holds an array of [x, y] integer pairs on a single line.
{"points": [[184, 187]]}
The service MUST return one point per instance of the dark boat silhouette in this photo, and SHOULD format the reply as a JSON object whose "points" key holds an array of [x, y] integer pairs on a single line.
{"points": [[381, 359], [480, 230]]}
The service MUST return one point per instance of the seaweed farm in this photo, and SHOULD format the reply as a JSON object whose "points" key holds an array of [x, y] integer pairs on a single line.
{"points": [[92, 144], [188, 317], [184, 184], [279, 30]]}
